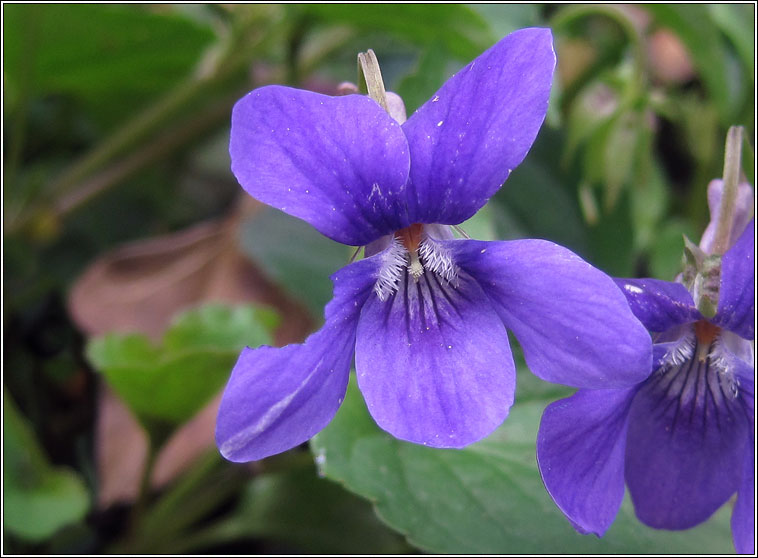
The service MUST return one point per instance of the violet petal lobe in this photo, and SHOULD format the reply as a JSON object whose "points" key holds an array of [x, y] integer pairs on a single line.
{"points": [[433, 362], [743, 519], [743, 209], [339, 163], [687, 430], [736, 308], [659, 305], [571, 320], [278, 398], [479, 126], [580, 453]]}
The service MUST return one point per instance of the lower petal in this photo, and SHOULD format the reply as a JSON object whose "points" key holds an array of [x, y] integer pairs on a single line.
{"points": [[278, 398], [687, 430], [571, 320], [433, 362], [743, 516], [580, 453]]}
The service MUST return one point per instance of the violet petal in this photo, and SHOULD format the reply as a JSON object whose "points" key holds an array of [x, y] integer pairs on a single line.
{"points": [[278, 398], [659, 305], [433, 362], [479, 126], [571, 320], [736, 309], [743, 209], [580, 453], [339, 163], [743, 519], [687, 429]]}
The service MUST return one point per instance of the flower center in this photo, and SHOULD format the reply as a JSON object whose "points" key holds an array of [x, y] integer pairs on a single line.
{"points": [[695, 367], [410, 237], [413, 251], [705, 333]]}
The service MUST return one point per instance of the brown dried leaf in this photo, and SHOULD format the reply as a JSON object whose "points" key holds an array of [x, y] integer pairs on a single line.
{"points": [[139, 287]]}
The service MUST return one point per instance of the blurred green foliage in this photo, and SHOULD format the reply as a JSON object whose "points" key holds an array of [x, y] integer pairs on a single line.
{"points": [[115, 127]]}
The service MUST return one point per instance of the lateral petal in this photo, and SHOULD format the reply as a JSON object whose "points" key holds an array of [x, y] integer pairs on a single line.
{"points": [[659, 305], [571, 320], [278, 398], [580, 453]]}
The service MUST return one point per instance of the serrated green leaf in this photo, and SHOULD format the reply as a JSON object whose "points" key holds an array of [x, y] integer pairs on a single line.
{"points": [[38, 499], [487, 498], [170, 382], [114, 58]]}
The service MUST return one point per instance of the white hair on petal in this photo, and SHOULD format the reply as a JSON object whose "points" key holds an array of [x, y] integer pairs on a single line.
{"points": [[394, 261], [680, 353], [720, 361], [437, 258]]}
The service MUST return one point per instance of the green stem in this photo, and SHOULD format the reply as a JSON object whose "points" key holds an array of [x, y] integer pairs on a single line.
{"points": [[227, 59], [144, 489], [152, 151], [725, 217]]}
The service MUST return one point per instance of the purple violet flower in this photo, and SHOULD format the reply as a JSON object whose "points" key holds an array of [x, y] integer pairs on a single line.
{"points": [[682, 439], [424, 314]]}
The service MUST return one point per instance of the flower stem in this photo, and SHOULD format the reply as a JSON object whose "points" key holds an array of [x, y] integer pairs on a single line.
{"points": [[144, 490], [732, 156], [370, 74]]}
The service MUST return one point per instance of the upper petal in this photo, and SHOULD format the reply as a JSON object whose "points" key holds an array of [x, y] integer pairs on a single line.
{"points": [[659, 305], [478, 127], [571, 320], [743, 209], [278, 398], [736, 310], [433, 362], [687, 430], [580, 453], [339, 163]]}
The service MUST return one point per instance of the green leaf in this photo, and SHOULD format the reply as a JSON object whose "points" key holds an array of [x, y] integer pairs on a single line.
{"points": [[426, 78], [611, 240], [295, 255], [487, 498], [482, 225], [314, 514], [38, 499], [666, 252], [507, 18], [535, 201], [694, 26], [737, 22], [114, 58], [463, 33], [171, 382]]}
